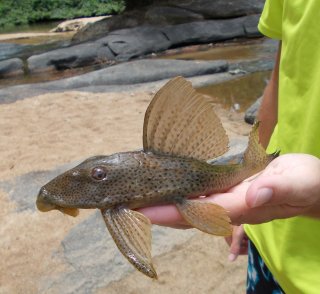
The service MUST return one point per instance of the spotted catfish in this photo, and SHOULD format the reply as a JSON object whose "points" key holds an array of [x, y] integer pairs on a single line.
{"points": [[181, 132]]}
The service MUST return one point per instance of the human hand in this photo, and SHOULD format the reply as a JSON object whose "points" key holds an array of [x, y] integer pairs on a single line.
{"points": [[289, 186]]}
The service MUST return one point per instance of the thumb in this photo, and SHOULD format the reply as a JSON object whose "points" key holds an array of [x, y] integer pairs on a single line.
{"points": [[269, 190]]}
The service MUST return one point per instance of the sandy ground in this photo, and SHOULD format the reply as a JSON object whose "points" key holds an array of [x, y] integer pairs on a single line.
{"points": [[43, 132]]}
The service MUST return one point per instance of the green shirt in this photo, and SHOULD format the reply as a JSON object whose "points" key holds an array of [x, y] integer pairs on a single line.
{"points": [[291, 247]]}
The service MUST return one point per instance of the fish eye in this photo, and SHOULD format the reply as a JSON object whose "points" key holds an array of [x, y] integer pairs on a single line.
{"points": [[99, 173]]}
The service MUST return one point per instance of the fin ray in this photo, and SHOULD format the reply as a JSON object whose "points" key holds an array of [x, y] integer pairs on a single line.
{"points": [[206, 216], [131, 232], [255, 156], [178, 120]]}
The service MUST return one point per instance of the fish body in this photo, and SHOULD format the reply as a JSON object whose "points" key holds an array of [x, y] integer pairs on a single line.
{"points": [[181, 132], [138, 179]]}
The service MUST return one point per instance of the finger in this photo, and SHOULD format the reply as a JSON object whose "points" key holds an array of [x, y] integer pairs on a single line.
{"points": [[165, 215], [270, 190], [234, 202], [237, 243], [268, 213]]}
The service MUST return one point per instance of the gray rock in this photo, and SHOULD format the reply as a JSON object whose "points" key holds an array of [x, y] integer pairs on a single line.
{"points": [[252, 111], [221, 8], [204, 31], [251, 26], [71, 57], [101, 28], [134, 72], [23, 190], [11, 67], [129, 43], [126, 44], [237, 146], [95, 261], [165, 15], [171, 12], [139, 71], [8, 50]]}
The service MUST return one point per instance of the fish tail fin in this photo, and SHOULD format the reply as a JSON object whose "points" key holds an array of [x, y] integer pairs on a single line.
{"points": [[206, 216], [255, 156]]}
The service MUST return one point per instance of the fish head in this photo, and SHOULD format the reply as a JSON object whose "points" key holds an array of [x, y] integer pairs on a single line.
{"points": [[92, 184]]}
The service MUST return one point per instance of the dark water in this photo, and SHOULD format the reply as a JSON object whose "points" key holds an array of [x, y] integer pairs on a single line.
{"points": [[231, 51], [39, 27], [240, 93]]}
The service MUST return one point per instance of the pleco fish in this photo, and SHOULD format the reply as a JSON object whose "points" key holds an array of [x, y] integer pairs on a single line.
{"points": [[181, 132]]}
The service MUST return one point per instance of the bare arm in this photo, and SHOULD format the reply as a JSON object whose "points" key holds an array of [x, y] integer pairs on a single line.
{"points": [[268, 111]]}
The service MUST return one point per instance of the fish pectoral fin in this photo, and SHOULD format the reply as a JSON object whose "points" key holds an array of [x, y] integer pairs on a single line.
{"points": [[206, 216], [131, 232]]}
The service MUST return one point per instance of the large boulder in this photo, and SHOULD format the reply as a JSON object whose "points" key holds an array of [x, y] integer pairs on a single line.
{"points": [[125, 44], [212, 30], [204, 31], [170, 12], [165, 15], [220, 8]]}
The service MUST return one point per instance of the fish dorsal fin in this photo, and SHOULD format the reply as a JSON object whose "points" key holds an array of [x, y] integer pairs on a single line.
{"points": [[181, 122], [131, 232]]}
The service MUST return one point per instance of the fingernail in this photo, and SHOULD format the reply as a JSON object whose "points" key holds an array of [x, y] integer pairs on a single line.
{"points": [[263, 196], [232, 257]]}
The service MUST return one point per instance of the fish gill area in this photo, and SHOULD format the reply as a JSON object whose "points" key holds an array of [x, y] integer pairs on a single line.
{"points": [[54, 116]]}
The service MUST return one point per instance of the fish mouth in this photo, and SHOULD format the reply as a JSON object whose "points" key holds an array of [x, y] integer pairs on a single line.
{"points": [[44, 205]]}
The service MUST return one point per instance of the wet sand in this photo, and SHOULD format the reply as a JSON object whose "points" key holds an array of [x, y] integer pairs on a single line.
{"points": [[47, 131]]}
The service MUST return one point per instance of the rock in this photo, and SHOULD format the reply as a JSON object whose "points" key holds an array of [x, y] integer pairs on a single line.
{"points": [[95, 261], [11, 67], [125, 44], [130, 43], [237, 145], [24, 189], [99, 29], [140, 71], [252, 111], [171, 12], [70, 57], [134, 72], [220, 8], [77, 23], [8, 50], [204, 31], [165, 15], [251, 26]]}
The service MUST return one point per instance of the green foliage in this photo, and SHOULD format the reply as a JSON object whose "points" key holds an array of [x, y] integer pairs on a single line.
{"points": [[16, 12]]}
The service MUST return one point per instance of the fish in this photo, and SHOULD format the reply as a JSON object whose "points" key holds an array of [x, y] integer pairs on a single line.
{"points": [[181, 133]]}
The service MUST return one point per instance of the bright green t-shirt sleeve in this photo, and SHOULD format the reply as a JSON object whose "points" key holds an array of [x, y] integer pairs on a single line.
{"points": [[270, 23]]}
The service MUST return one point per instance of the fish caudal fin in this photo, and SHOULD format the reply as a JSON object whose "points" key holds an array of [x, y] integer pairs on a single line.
{"points": [[131, 232], [255, 157], [206, 216]]}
